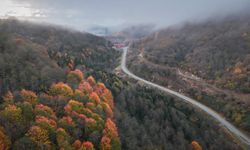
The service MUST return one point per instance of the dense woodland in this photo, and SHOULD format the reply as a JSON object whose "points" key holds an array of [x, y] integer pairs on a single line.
{"points": [[152, 120], [47, 99], [34, 56], [217, 51], [147, 119]]}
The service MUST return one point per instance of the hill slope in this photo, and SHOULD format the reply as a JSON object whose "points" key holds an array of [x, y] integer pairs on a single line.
{"points": [[215, 50], [34, 56], [208, 61], [62, 118]]}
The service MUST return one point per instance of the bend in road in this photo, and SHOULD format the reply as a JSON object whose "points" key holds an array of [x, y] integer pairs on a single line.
{"points": [[240, 135]]}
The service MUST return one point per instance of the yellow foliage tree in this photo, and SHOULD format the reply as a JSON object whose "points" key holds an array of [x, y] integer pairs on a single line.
{"points": [[12, 113], [29, 96], [61, 89], [40, 136]]}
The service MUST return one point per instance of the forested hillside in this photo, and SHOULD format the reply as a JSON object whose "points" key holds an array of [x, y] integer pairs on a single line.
{"points": [[34, 56], [216, 50], [149, 119], [64, 117], [207, 61], [48, 103]]}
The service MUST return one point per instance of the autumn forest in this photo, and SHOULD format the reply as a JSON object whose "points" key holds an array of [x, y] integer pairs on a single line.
{"points": [[62, 89]]}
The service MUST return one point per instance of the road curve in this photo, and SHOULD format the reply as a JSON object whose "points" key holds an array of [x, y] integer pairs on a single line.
{"points": [[241, 136]]}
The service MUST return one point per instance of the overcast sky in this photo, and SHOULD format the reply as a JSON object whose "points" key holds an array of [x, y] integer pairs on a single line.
{"points": [[82, 14]]}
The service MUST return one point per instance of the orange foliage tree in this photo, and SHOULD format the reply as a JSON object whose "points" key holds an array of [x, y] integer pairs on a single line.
{"points": [[75, 77], [107, 109], [110, 136], [196, 145], [46, 111], [4, 140], [46, 122], [91, 80], [93, 96], [87, 146], [8, 97], [105, 143], [85, 87], [104, 94], [78, 145]]}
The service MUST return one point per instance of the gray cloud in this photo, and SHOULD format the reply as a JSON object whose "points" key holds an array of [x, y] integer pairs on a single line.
{"points": [[81, 14]]}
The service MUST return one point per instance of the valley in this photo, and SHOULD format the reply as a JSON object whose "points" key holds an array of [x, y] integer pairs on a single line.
{"points": [[204, 61], [245, 139], [145, 118], [124, 75]]}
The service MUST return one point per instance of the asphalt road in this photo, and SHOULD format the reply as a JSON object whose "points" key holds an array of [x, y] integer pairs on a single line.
{"points": [[240, 135]]}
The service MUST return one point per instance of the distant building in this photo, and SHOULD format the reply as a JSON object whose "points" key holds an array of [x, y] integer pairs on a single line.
{"points": [[118, 45]]}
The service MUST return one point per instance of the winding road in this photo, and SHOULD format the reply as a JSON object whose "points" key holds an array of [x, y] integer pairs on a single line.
{"points": [[240, 135]]}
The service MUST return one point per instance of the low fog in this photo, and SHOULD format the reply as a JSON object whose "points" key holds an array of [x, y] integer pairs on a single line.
{"points": [[85, 14]]}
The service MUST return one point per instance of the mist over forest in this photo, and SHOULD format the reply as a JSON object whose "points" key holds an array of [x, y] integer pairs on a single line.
{"points": [[132, 75]]}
